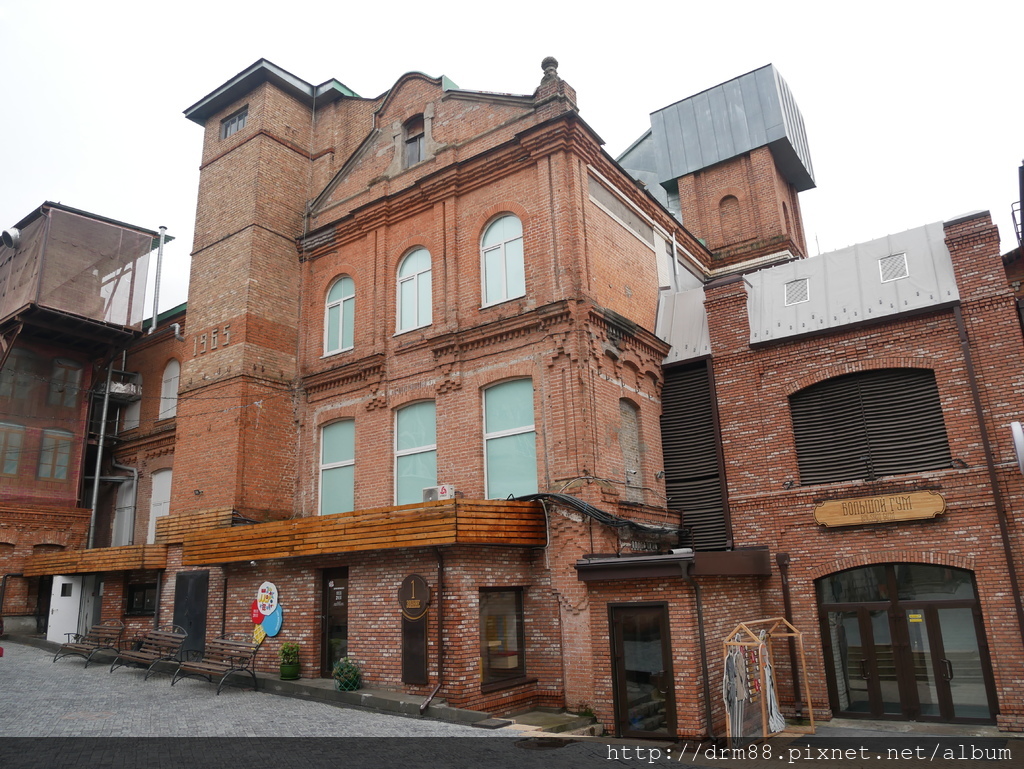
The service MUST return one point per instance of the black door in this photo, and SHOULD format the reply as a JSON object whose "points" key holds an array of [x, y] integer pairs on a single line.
{"points": [[642, 671], [191, 590], [335, 619], [906, 641]]}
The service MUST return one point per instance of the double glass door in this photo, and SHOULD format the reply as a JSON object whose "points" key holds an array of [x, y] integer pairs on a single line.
{"points": [[915, 650]]}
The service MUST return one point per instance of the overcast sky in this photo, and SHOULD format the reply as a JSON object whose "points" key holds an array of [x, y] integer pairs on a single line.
{"points": [[913, 110]]}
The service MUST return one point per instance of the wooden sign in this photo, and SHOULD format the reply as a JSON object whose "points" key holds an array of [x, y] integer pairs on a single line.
{"points": [[414, 598], [885, 508]]}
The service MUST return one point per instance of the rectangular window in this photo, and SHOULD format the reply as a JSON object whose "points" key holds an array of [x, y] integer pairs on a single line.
{"points": [[337, 467], [501, 635], [142, 599], [16, 377], [12, 437], [64, 383], [232, 125], [510, 442], [415, 452], [55, 455]]}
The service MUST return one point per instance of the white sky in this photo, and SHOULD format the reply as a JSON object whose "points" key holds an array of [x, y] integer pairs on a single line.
{"points": [[912, 109]]}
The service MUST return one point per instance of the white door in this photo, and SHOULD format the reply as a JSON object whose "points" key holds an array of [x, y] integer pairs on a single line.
{"points": [[159, 501], [65, 600]]}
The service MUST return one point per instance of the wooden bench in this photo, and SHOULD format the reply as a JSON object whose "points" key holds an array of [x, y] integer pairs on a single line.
{"points": [[103, 637], [232, 653], [160, 645]]}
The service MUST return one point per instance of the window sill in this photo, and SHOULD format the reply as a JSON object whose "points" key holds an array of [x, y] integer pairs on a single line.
{"points": [[332, 353], [410, 330], [497, 686], [500, 302]]}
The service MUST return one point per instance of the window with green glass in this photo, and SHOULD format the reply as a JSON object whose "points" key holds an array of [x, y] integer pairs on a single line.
{"points": [[510, 440], [11, 439], [55, 455], [337, 467], [415, 297], [415, 451], [501, 247], [339, 316]]}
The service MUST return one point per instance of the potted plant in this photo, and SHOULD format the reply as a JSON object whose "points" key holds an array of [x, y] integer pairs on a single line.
{"points": [[289, 655], [347, 674]]}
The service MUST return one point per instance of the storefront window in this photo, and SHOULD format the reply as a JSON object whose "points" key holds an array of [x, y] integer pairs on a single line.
{"points": [[501, 635]]}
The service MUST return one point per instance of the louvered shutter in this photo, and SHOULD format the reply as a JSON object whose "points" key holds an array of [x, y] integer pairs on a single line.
{"points": [[689, 443], [868, 425]]}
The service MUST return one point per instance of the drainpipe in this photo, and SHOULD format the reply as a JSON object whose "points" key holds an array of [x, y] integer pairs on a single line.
{"points": [[3, 594], [997, 495], [135, 496], [99, 456], [782, 559], [440, 632], [156, 286], [687, 567]]}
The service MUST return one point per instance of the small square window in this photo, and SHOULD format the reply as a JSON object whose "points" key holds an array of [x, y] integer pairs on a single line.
{"points": [[893, 267], [798, 291], [234, 124], [65, 590], [142, 599]]}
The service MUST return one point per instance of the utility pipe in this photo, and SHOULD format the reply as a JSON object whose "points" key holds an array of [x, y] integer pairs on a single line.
{"points": [[698, 597], [156, 286], [440, 632], [993, 478], [782, 559], [99, 456]]}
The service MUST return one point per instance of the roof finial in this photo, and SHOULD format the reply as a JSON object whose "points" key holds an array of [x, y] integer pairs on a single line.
{"points": [[550, 67]]}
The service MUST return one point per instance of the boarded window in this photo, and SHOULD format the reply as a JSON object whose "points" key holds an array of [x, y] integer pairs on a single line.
{"points": [[869, 424]]}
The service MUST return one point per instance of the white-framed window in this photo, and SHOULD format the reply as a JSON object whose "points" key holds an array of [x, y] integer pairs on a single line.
{"points": [[340, 315], [501, 260], [415, 451], [415, 297], [55, 455], [159, 501], [510, 440], [65, 383], [132, 412], [337, 467], [169, 390], [235, 123], [12, 438]]}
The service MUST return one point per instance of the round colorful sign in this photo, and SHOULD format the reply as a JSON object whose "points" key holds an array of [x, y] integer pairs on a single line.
{"points": [[266, 598], [273, 621]]}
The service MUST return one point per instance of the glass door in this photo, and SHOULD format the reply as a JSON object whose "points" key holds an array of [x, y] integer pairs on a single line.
{"points": [[642, 674], [335, 619]]}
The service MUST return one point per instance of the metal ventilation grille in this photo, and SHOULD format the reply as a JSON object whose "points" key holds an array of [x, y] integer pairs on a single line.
{"points": [[689, 441], [893, 267], [868, 425], [797, 291]]}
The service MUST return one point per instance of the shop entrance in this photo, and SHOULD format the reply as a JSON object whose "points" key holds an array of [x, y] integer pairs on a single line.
{"points": [[642, 670], [335, 619], [906, 641]]}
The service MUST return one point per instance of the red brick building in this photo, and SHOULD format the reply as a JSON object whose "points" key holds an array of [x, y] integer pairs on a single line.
{"points": [[406, 310]]}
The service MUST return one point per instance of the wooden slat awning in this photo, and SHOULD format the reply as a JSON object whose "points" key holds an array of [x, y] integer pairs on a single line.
{"points": [[97, 560], [448, 522]]}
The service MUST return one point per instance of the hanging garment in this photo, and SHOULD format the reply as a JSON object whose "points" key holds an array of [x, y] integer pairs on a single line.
{"points": [[776, 723]]}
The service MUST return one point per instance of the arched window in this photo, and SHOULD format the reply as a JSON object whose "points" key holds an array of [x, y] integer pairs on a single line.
{"points": [[729, 217], [414, 291], [169, 390], [501, 259], [415, 451], [337, 467], [510, 440], [414, 140], [159, 501], [339, 315], [869, 424]]}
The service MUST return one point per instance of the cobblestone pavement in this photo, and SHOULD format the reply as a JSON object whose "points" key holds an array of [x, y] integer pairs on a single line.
{"points": [[41, 698]]}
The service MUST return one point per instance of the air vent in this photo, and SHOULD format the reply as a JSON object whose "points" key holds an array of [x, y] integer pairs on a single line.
{"points": [[893, 267], [798, 291]]}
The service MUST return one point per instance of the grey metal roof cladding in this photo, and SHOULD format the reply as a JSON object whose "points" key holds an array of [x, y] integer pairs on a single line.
{"points": [[683, 323], [846, 287], [753, 110]]}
